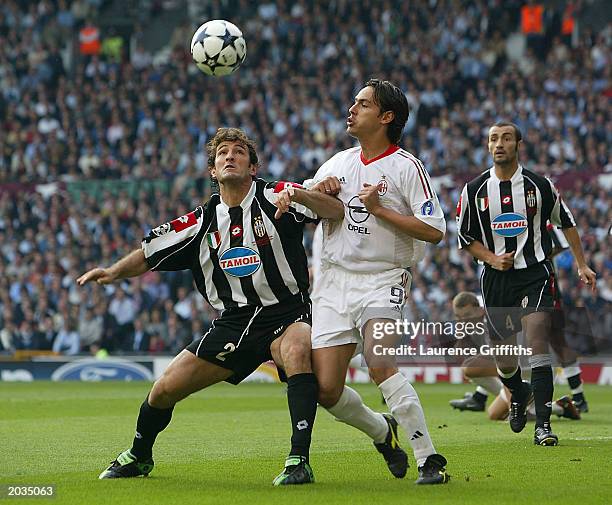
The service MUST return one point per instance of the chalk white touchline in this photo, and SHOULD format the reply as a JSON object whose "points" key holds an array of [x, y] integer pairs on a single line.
{"points": [[590, 438]]}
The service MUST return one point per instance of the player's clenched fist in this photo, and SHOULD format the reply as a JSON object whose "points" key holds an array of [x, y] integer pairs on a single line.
{"points": [[588, 276], [369, 197], [283, 201], [99, 275], [503, 261], [329, 185]]}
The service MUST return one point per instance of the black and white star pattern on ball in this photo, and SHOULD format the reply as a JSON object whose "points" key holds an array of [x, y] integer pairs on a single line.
{"points": [[228, 39]]}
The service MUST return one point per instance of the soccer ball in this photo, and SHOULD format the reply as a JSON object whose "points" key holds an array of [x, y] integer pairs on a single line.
{"points": [[218, 47]]}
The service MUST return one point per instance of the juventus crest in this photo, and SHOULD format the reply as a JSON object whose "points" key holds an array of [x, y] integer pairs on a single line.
{"points": [[531, 198], [258, 227]]}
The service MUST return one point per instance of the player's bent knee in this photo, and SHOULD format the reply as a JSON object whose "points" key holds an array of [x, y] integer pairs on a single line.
{"points": [[295, 355], [162, 395], [329, 396], [158, 397], [467, 372]]}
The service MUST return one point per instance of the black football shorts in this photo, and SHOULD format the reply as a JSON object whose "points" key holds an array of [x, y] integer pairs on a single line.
{"points": [[512, 294], [240, 338]]}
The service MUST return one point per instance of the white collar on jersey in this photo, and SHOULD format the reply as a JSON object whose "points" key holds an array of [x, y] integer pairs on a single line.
{"points": [[518, 174], [246, 203]]}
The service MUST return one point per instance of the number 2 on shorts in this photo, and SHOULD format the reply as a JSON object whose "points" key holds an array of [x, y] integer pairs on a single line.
{"points": [[230, 348]]}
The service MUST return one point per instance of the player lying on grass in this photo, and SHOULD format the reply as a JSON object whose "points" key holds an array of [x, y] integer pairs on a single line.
{"points": [[253, 268], [568, 358], [481, 371]]}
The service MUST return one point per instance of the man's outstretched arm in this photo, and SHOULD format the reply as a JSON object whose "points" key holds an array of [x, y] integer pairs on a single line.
{"points": [[132, 265]]}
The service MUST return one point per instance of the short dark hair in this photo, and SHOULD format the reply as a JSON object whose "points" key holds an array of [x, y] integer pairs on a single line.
{"points": [[391, 98], [517, 131], [231, 135]]}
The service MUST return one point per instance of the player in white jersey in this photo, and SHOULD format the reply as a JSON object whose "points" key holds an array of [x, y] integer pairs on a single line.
{"points": [[391, 210]]}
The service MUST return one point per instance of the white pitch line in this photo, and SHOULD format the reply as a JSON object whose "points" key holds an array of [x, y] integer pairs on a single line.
{"points": [[589, 438]]}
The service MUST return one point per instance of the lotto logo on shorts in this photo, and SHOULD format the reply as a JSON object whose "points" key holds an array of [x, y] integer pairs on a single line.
{"points": [[240, 261], [509, 224]]}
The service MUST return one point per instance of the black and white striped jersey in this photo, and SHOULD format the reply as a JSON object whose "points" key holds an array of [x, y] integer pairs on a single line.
{"points": [[240, 255], [511, 215]]}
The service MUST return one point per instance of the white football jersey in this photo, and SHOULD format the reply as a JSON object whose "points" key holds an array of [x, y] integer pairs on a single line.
{"points": [[362, 242]]}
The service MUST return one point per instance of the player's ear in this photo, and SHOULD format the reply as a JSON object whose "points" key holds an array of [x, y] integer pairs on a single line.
{"points": [[252, 169], [387, 116]]}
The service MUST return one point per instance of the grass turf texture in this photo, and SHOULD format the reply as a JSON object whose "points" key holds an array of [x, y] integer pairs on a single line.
{"points": [[226, 444]]}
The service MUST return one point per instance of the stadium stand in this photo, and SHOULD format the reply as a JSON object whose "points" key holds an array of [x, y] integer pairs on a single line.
{"points": [[102, 139]]}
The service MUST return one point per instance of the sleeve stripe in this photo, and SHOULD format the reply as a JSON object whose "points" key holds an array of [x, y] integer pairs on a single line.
{"points": [[427, 194], [566, 216], [463, 221], [423, 175], [173, 252]]}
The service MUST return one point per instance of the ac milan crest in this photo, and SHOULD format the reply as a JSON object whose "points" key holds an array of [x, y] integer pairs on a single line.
{"points": [[383, 186]]}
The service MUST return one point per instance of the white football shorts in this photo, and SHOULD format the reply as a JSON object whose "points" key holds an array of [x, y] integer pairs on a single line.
{"points": [[343, 302]]}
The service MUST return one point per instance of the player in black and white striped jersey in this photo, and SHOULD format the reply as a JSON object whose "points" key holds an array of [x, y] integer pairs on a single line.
{"points": [[247, 260], [502, 218]]}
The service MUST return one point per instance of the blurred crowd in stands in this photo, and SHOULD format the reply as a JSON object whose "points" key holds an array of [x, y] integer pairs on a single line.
{"points": [[81, 106]]}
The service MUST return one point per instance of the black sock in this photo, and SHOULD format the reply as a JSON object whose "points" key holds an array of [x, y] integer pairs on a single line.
{"points": [[542, 383], [514, 383], [578, 397], [479, 397], [302, 392], [151, 422], [574, 382]]}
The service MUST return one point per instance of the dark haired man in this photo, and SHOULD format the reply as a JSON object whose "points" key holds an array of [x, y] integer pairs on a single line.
{"points": [[253, 268], [502, 219], [391, 211]]}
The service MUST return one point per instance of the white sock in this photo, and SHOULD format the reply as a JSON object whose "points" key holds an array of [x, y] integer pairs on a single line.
{"points": [[556, 409], [570, 371], [579, 389], [490, 384], [503, 395], [404, 404], [482, 391], [351, 410]]}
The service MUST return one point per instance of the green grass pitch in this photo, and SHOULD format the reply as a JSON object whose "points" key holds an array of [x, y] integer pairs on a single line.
{"points": [[225, 445]]}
